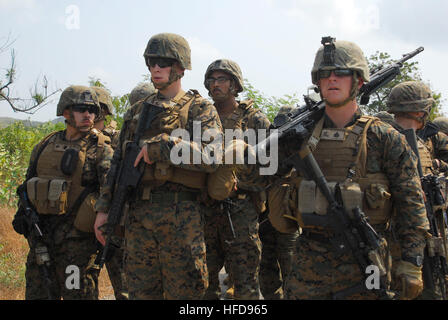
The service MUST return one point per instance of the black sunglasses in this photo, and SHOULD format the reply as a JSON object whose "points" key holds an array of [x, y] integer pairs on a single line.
{"points": [[83, 108], [161, 62], [337, 72]]}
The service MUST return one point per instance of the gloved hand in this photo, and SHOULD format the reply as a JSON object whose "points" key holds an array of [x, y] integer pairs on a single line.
{"points": [[20, 224], [410, 277]]}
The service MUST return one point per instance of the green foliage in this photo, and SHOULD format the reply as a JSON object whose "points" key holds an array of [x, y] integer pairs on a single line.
{"points": [[16, 144], [121, 103], [409, 72], [268, 105], [11, 273]]}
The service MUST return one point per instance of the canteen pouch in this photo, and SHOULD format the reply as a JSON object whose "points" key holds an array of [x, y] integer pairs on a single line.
{"points": [[86, 215]]}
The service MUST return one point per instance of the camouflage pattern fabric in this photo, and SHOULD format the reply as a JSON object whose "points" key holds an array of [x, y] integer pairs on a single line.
{"points": [[278, 250], [318, 271], [72, 248], [242, 254], [67, 245], [165, 251]]}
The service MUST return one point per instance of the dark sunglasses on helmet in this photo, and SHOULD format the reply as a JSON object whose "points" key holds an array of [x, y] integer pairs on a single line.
{"points": [[84, 108], [337, 72], [220, 80], [161, 62]]}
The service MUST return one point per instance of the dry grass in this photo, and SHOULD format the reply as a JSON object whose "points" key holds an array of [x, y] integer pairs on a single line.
{"points": [[13, 252]]}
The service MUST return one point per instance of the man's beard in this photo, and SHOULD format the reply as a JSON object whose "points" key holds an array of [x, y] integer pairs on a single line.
{"points": [[219, 96]]}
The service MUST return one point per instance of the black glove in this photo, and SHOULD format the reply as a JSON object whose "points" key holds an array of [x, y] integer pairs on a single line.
{"points": [[20, 224]]}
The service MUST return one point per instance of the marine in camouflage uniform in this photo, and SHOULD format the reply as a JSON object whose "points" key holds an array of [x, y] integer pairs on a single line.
{"points": [[375, 168], [411, 103], [64, 191], [115, 265], [164, 236], [240, 248], [442, 123]]}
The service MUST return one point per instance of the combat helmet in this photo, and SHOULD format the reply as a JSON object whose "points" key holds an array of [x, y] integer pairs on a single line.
{"points": [[442, 123], [105, 100], [339, 55], [142, 90], [385, 117], [410, 96], [77, 95], [169, 45], [227, 66], [283, 115]]}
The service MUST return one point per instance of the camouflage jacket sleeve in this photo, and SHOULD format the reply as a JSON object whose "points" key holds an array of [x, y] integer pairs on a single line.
{"points": [[440, 150], [249, 178], [389, 152], [203, 120]]}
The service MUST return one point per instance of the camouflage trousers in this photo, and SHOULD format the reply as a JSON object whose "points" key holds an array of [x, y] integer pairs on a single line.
{"points": [[116, 274], [242, 254], [277, 252], [71, 271], [165, 251], [318, 272]]}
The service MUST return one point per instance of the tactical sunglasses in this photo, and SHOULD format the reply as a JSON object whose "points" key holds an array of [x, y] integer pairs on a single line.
{"points": [[220, 80], [161, 62], [337, 72], [84, 108]]}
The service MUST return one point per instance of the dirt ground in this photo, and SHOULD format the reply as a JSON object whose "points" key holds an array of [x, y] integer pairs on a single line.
{"points": [[13, 252]]}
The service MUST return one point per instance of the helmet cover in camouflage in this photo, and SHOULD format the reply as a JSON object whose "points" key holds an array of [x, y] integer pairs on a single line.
{"points": [[227, 66], [410, 96], [142, 90], [169, 45], [442, 123], [347, 55], [385, 116], [76, 95], [105, 100]]}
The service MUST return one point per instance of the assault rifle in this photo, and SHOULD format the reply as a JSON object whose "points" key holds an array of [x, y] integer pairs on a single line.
{"points": [[35, 237], [127, 177], [353, 233], [435, 267], [299, 123]]}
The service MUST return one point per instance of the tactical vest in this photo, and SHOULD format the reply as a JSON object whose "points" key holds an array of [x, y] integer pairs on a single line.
{"points": [[54, 190], [236, 120], [174, 116], [342, 156]]}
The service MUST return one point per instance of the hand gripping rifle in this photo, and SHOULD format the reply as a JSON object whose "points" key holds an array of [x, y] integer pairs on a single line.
{"points": [[435, 267], [36, 238], [128, 176]]}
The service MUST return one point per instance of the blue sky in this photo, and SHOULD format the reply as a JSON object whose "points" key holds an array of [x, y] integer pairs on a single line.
{"points": [[274, 41]]}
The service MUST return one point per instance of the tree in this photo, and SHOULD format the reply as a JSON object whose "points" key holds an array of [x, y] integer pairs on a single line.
{"points": [[268, 105], [409, 72], [39, 93], [121, 103]]}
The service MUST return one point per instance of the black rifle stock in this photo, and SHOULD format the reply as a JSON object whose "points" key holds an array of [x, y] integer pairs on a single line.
{"points": [[434, 263], [128, 176], [36, 239]]}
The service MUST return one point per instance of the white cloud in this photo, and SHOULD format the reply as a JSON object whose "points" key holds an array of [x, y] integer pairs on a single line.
{"points": [[17, 4]]}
